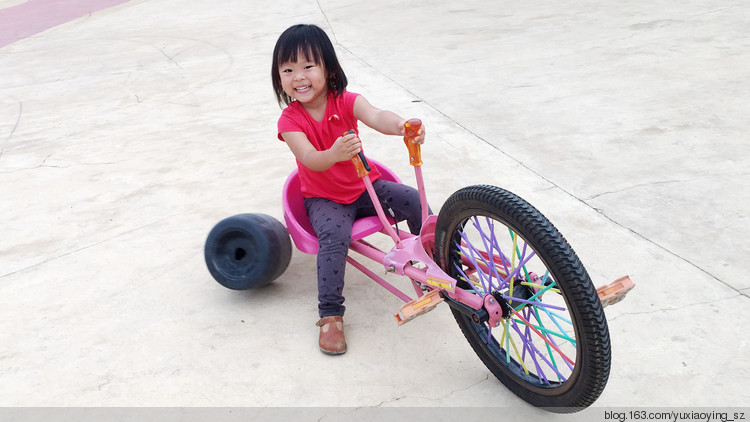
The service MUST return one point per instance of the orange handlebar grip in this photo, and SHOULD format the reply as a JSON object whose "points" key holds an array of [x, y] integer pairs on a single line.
{"points": [[361, 170], [411, 131], [359, 160]]}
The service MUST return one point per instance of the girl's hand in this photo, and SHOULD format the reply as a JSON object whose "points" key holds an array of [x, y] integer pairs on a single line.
{"points": [[345, 147], [419, 139]]}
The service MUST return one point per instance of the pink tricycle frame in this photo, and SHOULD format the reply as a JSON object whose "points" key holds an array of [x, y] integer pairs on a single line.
{"points": [[401, 259]]}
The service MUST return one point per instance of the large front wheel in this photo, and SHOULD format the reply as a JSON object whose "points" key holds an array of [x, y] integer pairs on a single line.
{"points": [[552, 345]]}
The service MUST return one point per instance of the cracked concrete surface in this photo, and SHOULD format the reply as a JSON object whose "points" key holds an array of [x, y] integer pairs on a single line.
{"points": [[127, 134]]}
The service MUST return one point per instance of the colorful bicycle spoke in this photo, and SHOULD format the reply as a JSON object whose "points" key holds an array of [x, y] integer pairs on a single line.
{"points": [[537, 333]]}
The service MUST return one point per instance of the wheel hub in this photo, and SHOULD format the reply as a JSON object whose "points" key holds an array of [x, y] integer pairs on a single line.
{"points": [[520, 292]]}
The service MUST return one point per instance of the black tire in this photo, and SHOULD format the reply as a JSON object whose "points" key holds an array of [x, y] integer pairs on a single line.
{"points": [[247, 250], [565, 284]]}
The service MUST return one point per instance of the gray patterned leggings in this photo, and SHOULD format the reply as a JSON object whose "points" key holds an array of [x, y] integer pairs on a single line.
{"points": [[333, 224]]}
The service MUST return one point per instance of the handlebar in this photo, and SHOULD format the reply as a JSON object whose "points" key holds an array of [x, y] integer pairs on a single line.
{"points": [[360, 162], [412, 131]]}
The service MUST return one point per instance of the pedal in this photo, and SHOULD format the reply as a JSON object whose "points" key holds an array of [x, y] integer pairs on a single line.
{"points": [[418, 306], [615, 291]]}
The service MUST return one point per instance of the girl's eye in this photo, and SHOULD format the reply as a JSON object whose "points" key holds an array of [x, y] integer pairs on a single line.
{"points": [[286, 71]]}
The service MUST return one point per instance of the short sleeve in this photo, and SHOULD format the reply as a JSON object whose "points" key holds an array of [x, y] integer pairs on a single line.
{"points": [[287, 123], [349, 98]]}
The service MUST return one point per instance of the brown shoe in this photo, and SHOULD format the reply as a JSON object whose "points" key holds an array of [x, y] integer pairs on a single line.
{"points": [[331, 339]]}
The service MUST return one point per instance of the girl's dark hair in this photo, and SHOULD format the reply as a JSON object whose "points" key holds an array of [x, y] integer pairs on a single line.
{"points": [[313, 42]]}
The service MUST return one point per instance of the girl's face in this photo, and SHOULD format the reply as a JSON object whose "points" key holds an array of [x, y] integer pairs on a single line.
{"points": [[304, 80]]}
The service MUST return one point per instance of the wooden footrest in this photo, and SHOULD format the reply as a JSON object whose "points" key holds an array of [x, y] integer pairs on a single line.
{"points": [[418, 306], [615, 291]]}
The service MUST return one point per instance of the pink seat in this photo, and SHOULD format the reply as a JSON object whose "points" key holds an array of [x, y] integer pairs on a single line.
{"points": [[298, 225]]}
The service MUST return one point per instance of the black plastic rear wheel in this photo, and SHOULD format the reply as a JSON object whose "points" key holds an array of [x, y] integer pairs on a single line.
{"points": [[552, 346], [247, 250]]}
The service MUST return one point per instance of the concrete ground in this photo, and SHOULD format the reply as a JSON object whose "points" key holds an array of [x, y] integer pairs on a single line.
{"points": [[126, 133]]}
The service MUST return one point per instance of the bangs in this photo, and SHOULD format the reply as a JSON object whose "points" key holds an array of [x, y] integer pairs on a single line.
{"points": [[298, 45]]}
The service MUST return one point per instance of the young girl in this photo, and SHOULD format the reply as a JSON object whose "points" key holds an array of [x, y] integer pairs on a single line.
{"points": [[315, 124]]}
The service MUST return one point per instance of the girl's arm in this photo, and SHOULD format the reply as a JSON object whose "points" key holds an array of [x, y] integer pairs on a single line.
{"points": [[345, 147], [384, 121]]}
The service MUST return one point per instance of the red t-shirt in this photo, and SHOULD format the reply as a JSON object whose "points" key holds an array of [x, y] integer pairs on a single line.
{"points": [[339, 183]]}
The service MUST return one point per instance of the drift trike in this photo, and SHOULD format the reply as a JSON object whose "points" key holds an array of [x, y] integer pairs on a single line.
{"points": [[517, 290]]}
